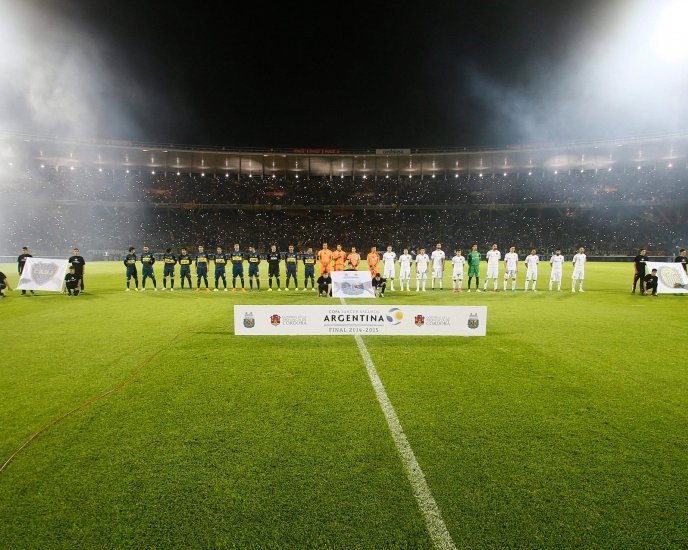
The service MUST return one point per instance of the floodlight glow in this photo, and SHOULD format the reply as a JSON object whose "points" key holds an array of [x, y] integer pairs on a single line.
{"points": [[556, 172], [530, 173], [153, 172], [100, 169], [504, 174], [669, 165], [670, 40], [127, 171], [43, 165], [178, 173], [71, 167], [202, 174], [456, 175]]}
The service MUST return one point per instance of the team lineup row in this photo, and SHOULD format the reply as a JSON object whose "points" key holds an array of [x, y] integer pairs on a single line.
{"points": [[426, 266]]}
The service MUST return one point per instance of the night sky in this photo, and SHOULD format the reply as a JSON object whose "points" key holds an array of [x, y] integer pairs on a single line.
{"points": [[366, 74]]}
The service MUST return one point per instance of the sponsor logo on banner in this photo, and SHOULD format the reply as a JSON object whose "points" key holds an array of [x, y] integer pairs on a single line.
{"points": [[473, 321], [670, 276], [249, 320], [395, 316], [420, 320], [274, 320]]}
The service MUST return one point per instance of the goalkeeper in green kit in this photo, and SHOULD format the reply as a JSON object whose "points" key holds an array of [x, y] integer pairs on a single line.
{"points": [[473, 259]]}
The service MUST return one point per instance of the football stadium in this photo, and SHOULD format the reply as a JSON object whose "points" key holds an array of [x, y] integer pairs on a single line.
{"points": [[341, 346]]}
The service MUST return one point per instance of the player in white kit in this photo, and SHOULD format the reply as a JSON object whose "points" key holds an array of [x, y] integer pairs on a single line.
{"points": [[405, 269], [437, 258], [458, 261], [493, 256], [510, 268], [532, 261], [388, 258], [422, 261], [578, 270], [557, 263]]}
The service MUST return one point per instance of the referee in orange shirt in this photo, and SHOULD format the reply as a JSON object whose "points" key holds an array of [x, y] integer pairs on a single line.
{"points": [[325, 257], [373, 260]]}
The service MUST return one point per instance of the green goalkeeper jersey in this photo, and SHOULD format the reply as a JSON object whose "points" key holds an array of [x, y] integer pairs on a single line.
{"points": [[474, 259]]}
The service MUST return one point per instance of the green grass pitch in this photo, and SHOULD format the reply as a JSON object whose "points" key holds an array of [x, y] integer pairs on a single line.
{"points": [[565, 427]]}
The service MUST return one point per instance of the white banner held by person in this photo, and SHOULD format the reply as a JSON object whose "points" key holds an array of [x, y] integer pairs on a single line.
{"points": [[672, 277], [368, 320], [43, 274], [352, 284]]}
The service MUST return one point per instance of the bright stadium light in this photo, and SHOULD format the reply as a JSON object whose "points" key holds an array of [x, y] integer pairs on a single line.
{"points": [[127, 170], [670, 40]]}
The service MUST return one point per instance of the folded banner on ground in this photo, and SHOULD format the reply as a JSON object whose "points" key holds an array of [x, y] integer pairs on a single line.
{"points": [[352, 284], [43, 274], [383, 320], [672, 277]]}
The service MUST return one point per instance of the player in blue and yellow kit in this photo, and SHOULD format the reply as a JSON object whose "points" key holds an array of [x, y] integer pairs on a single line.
{"points": [[220, 259], [202, 260], [291, 260], [147, 260], [253, 264], [130, 264], [237, 257], [169, 261], [309, 269], [185, 261], [274, 258]]}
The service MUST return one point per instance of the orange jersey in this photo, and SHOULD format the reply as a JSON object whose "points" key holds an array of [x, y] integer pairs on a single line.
{"points": [[373, 259], [339, 257], [325, 256], [354, 260]]}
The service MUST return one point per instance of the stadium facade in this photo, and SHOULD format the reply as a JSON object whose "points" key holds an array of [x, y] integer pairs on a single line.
{"points": [[644, 152]]}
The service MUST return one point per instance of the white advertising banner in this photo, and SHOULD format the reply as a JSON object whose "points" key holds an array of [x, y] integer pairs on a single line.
{"points": [[352, 284], [382, 320], [43, 274], [672, 277]]}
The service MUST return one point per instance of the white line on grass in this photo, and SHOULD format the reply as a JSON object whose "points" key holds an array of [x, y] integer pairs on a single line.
{"points": [[426, 502]]}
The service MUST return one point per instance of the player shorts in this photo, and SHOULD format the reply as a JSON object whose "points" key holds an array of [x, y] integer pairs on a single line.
{"points": [[237, 270], [511, 274], [556, 276], [405, 273], [147, 271], [309, 271], [492, 272], [201, 271], [325, 268], [389, 273], [168, 270], [253, 270], [531, 275], [338, 267], [421, 275], [473, 271], [578, 273], [131, 272], [291, 271], [185, 271], [457, 275], [437, 272], [273, 271], [373, 270], [220, 273]]}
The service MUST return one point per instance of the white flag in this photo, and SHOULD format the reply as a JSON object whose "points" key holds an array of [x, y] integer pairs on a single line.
{"points": [[672, 277], [43, 274], [352, 284]]}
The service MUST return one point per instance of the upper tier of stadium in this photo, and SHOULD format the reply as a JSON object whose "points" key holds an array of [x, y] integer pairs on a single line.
{"points": [[656, 151]]}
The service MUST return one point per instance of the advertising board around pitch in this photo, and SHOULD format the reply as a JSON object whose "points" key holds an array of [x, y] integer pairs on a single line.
{"points": [[366, 320]]}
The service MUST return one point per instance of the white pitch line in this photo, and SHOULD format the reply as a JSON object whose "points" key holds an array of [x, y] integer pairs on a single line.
{"points": [[431, 512]]}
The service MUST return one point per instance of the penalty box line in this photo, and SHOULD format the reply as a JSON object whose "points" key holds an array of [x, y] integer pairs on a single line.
{"points": [[426, 502]]}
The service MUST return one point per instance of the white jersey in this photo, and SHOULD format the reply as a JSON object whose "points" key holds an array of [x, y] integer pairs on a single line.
{"points": [[579, 261], [532, 261], [458, 262], [438, 258], [422, 261], [511, 259], [557, 263], [493, 257], [405, 261], [388, 259]]}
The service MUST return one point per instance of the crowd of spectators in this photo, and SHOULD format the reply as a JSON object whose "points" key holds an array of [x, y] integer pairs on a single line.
{"points": [[608, 212]]}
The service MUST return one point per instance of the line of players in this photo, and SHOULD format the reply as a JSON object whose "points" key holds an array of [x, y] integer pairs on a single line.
{"points": [[338, 260]]}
